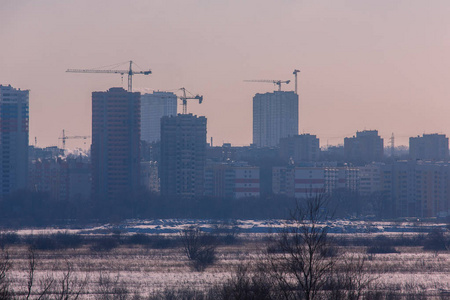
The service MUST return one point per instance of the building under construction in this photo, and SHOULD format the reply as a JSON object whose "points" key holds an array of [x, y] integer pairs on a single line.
{"points": [[275, 116]]}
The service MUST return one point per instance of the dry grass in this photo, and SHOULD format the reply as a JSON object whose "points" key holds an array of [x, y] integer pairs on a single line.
{"points": [[151, 270]]}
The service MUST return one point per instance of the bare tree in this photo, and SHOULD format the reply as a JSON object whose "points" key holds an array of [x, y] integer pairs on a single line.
{"points": [[5, 265], [199, 247], [65, 288], [31, 269], [350, 278], [301, 265], [70, 286], [110, 288], [246, 285], [45, 285]]}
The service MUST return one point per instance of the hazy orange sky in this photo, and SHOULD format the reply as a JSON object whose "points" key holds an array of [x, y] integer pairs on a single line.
{"points": [[364, 64]]}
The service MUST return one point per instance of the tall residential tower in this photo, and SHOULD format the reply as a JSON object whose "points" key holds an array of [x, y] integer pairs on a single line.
{"points": [[183, 155], [153, 107], [115, 143], [13, 139], [275, 116]]}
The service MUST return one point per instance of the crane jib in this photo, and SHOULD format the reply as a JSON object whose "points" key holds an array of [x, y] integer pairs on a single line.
{"points": [[129, 72]]}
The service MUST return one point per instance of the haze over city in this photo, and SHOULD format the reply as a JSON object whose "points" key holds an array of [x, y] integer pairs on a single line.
{"points": [[200, 170], [364, 65]]}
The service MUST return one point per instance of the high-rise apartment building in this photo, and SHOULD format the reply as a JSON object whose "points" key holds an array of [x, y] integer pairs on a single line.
{"points": [[365, 147], [183, 155], [300, 148], [115, 143], [429, 147], [275, 116], [153, 107], [13, 139]]}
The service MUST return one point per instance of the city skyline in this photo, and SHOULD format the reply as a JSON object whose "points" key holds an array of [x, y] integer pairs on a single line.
{"points": [[363, 66]]}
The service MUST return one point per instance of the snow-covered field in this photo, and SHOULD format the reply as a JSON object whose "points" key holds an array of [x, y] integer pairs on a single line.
{"points": [[168, 226], [140, 268]]}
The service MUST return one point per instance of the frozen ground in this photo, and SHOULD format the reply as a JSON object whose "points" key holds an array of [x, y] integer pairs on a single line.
{"points": [[168, 226], [150, 270]]}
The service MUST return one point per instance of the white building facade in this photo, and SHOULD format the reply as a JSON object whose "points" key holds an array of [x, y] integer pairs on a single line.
{"points": [[307, 182], [232, 180], [246, 182], [275, 116], [153, 107]]}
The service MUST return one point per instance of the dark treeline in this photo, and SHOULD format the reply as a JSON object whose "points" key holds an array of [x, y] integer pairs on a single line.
{"points": [[434, 240], [27, 208]]}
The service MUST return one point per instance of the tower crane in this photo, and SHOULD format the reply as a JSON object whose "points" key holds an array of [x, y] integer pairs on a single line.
{"points": [[64, 137], [130, 73], [295, 74], [184, 99], [276, 82]]}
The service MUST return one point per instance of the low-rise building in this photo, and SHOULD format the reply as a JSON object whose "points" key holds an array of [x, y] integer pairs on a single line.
{"points": [[305, 182], [63, 178], [232, 180], [429, 147], [300, 148]]}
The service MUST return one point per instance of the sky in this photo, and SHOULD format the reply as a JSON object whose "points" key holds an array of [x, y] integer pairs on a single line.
{"points": [[364, 65]]}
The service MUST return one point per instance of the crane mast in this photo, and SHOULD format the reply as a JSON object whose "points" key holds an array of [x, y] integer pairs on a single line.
{"points": [[184, 99], [64, 137], [295, 74], [129, 72]]}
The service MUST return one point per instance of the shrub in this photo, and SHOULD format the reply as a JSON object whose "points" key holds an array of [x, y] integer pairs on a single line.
{"points": [[43, 242], [8, 238], [180, 293], [159, 242], [245, 285], [138, 239], [66, 240], [330, 251], [383, 249], [435, 241], [199, 247], [105, 244], [226, 232]]}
